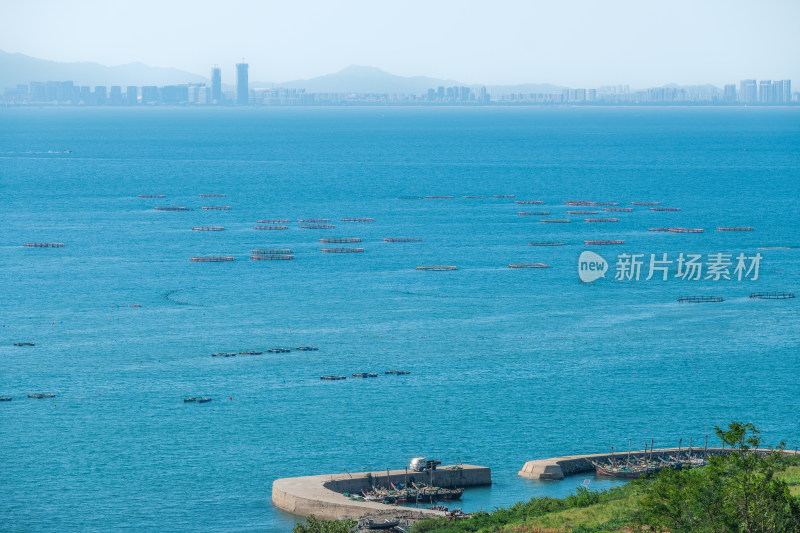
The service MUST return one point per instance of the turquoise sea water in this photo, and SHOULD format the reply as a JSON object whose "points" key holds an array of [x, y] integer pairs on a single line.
{"points": [[506, 365]]}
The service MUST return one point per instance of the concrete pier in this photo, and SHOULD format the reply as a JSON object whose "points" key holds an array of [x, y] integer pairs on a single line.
{"points": [[323, 496], [557, 467]]}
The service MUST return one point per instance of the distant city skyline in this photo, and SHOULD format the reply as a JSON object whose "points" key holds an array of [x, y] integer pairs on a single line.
{"points": [[580, 44]]}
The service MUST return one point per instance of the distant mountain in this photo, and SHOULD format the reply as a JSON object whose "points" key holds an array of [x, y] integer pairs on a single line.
{"points": [[358, 79], [19, 68]]}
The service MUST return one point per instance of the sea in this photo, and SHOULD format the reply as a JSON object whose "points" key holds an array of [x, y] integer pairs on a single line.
{"points": [[505, 365]]}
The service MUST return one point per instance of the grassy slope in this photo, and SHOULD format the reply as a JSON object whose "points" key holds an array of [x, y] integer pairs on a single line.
{"points": [[611, 514]]}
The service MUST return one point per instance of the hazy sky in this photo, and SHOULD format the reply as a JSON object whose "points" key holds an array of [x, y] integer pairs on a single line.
{"points": [[579, 43]]}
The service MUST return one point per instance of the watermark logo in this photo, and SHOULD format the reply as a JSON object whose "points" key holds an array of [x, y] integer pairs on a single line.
{"points": [[591, 266], [685, 266]]}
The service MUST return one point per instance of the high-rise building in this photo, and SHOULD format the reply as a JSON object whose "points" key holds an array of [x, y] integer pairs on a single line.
{"points": [[100, 95], [748, 91], [765, 92], [730, 93], [116, 95], [786, 96], [242, 90], [132, 95], [216, 85]]}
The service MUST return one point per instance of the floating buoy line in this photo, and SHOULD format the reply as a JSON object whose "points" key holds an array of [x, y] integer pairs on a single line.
{"points": [[437, 267], [602, 243], [212, 259], [700, 299], [528, 265]]}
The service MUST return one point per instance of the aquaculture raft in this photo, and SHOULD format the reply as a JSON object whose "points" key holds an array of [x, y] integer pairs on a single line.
{"points": [[149, 196], [619, 209], [685, 230], [202, 399], [43, 245], [437, 267], [342, 250], [332, 378], [314, 220], [602, 243], [40, 395], [528, 202], [665, 209], [737, 228], [409, 197], [397, 372], [772, 295], [601, 220], [272, 257], [528, 265], [212, 195], [172, 208], [582, 212], [700, 299], [401, 239], [546, 243], [555, 220], [357, 220], [473, 196], [504, 196], [216, 208], [645, 203], [24, 344], [365, 375], [274, 221], [335, 240], [318, 226], [212, 259], [533, 213], [445, 197], [270, 227], [208, 228], [272, 251]]}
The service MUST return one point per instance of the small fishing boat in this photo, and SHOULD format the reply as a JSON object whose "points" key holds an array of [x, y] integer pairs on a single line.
{"points": [[24, 344], [386, 524], [201, 399], [5, 398]]}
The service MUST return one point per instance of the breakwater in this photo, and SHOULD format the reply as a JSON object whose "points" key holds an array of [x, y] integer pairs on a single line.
{"points": [[323, 495], [557, 468]]}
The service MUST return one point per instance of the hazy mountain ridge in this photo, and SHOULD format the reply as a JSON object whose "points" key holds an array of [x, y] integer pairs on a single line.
{"points": [[19, 68]]}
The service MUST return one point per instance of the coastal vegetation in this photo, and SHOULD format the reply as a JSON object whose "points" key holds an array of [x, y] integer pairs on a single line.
{"points": [[751, 490]]}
